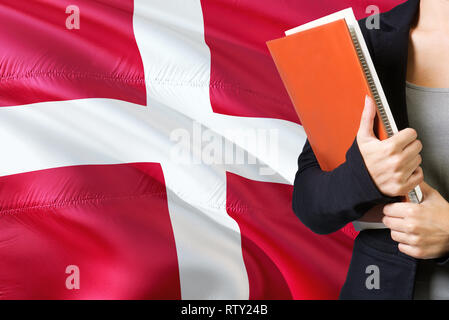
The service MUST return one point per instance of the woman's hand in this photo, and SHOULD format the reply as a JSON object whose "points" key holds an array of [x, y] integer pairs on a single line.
{"points": [[422, 230], [392, 163]]}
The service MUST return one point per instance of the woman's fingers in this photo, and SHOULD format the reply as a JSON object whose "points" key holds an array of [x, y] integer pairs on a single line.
{"points": [[403, 237], [396, 224], [412, 166], [403, 138], [412, 150], [415, 179]]}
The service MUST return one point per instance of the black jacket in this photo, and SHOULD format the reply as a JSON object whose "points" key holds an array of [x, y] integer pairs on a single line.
{"points": [[326, 201]]}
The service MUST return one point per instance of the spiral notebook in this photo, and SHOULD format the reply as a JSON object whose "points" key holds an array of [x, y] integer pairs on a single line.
{"points": [[327, 70]]}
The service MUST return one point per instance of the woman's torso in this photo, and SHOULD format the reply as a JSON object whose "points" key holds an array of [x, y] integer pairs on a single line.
{"points": [[428, 114]]}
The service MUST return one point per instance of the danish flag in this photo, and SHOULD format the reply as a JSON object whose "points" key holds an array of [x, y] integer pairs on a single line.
{"points": [[87, 173]]}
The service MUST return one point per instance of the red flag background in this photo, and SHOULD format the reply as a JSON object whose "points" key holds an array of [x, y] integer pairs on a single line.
{"points": [[86, 176]]}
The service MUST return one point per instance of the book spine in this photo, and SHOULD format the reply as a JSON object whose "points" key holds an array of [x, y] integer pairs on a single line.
{"points": [[412, 195]]}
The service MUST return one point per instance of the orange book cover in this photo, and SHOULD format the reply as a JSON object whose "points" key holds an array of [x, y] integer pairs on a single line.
{"points": [[322, 73]]}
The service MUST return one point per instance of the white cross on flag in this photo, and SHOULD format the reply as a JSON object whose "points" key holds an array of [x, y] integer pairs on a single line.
{"points": [[121, 127]]}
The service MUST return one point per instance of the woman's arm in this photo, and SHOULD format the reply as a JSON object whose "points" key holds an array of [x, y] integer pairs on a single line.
{"points": [[374, 172], [326, 201]]}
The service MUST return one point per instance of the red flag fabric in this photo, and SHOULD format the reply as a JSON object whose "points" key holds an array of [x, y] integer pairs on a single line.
{"points": [[149, 151]]}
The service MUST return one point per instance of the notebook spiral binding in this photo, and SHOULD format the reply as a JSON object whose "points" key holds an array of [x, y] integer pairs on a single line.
{"points": [[383, 116]]}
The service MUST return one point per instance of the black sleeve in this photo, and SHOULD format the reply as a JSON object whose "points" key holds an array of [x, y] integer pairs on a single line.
{"points": [[325, 201]]}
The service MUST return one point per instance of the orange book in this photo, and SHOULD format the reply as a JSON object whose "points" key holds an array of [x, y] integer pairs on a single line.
{"points": [[327, 71]]}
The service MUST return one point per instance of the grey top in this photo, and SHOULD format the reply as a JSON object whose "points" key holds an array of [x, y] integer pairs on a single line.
{"points": [[428, 114]]}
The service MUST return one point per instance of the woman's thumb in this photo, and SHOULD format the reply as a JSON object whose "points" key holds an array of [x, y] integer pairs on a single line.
{"points": [[367, 120]]}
